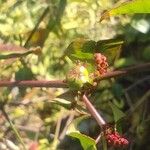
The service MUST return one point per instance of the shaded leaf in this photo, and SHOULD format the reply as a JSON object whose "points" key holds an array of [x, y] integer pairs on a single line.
{"points": [[61, 9], [62, 102], [131, 7], [117, 89], [73, 127], [118, 114], [104, 143], [146, 53], [68, 95], [86, 142], [24, 74], [110, 48]]}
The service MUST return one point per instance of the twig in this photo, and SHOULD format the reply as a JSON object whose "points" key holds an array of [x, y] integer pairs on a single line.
{"points": [[28, 129], [93, 111], [36, 26], [140, 102], [129, 101], [137, 82], [56, 136], [98, 138], [71, 117], [57, 130], [13, 127]]}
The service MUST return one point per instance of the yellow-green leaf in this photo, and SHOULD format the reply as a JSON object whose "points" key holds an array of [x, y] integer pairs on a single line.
{"points": [[135, 6], [118, 114], [87, 142]]}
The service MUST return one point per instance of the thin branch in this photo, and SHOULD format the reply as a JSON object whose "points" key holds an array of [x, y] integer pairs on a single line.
{"points": [[98, 138], [93, 111], [69, 120], [56, 136], [34, 83], [123, 72], [138, 82], [140, 102], [36, 26], [13, 127], [27, 128]]}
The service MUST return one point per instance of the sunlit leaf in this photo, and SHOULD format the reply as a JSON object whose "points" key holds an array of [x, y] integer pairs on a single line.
{"points": [[83, 49], [131, 7], [118, 114], [86, 142], [82, 55], [18, 112], [8, 51], [38, 37], [80, 46]]}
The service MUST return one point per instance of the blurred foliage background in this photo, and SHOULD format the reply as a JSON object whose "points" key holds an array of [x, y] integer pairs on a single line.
{"points": [[41, 118]]}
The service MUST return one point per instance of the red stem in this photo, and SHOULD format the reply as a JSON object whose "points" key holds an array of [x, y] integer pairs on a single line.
{"points": [[93, 111]]}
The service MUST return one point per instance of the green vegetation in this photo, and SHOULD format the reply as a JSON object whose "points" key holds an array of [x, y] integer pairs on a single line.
{"points": [[54, 56]]}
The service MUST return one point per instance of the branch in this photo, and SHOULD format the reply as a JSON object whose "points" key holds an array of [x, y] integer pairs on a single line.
{"points": [[126, 71], [13, 127], [37, 25], [63, 83], [34, 83]]}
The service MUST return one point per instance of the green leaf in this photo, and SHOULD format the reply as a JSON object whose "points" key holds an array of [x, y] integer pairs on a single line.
{"points": [[61, 9], [131, 7], [68, 95], [86, 142], [62, 102], [117, 90], [78, 47], [118, 114], [110, 48], [83, 49], [104, 143], [73, 127], [82, 55], [24, 74], [146, 53]]}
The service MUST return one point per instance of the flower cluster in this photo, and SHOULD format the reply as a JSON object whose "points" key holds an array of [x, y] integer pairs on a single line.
{"points": [[116, 140], [101, 63], [113, 138]]}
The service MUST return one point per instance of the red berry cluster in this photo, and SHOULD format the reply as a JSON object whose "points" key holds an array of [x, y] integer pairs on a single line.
{"points": [[113, 138], [101, 63], [116, 140]]}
